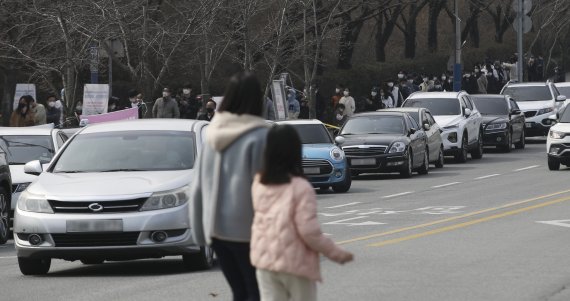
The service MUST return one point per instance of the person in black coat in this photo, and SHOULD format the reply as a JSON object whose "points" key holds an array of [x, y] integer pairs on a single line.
{"points": [[210, 111], [53, 114]]}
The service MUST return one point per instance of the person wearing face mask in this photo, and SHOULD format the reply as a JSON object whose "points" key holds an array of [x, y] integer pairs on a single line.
{"points": [[135, 102], [166, 106], [424, 86], [23, 115], [372, 102], [189, 105], [293, 104], [38, 110], [447, 83], [53, 114], [401, 75], [387, 99], [436, 87], [395, 91], [337, 96], [210, 111], [340, 115], [112, 104], [348, 102], [412, 84], [482, 82], [405, 89]]}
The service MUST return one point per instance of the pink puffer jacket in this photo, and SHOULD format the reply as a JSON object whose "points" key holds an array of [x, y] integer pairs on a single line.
{"points": [[286, 235]]}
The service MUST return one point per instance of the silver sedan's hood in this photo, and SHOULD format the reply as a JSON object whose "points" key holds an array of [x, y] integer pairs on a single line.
{"points": [[109, 184]]}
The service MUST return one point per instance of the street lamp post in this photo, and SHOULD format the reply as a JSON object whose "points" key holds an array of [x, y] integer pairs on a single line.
{"points": [[457, 65]]}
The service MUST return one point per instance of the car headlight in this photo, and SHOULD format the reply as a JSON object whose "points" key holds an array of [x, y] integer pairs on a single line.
{"points": [[452, 137], [397, 147], [544, 111], [21, 187], [557, 135], [496, 126], [33, 203], [337, 154], [167, 199]]}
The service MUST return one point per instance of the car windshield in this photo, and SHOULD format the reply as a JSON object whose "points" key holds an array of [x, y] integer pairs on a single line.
{"points": [[491, 106], [313, 134], [532, 93], [565, 117], [374, 125], [23, 149], [437, 106], [564, 91], [128, 151]]}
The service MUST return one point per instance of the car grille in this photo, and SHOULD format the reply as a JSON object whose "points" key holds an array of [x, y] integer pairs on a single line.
{"points": [[324, 166], [108, 206], [365, 152], [95, 239], [529, 113]]}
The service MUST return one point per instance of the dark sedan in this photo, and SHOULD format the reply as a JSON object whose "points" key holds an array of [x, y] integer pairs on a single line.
{"points": [[384, 142], [503, 121]]}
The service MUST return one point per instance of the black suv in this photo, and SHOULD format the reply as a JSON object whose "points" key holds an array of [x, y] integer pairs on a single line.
{"points": [[5, 195]]}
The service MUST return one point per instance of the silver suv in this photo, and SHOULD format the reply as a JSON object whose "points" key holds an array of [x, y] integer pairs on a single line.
{"points": [[459, 119]]}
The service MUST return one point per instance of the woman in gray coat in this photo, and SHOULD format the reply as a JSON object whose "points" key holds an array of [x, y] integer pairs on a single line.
{"points": [[222, 210]]}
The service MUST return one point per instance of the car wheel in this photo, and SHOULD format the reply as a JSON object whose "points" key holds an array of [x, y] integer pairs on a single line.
{"points": [[553, 163], [424, 169], [477, 153], [4, 218], [440, 159], [461, 157], [343, 186], [509, 147], [29, 266], [203, 260], [522, 143], [407, 169], [92, 261]]}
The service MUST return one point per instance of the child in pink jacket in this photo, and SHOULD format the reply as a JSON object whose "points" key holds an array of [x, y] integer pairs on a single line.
{"points": [[286, 236]]}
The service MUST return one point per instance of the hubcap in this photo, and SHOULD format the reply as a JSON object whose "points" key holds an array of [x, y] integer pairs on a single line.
{"points": [[3, 216]]}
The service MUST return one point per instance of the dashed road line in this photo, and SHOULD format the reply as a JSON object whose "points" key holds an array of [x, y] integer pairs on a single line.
{"points": [[397, 194], [487, 176], [527, 168], [343, 205], [445, 185]]}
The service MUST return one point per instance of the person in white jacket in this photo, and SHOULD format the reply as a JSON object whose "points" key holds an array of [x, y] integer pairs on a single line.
{"points": [[348, 103]]}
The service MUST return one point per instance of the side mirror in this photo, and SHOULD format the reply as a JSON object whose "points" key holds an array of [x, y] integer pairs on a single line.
{"points": [[467, 112], [561, 98], [339, 140], [427, 127], [515, 112], [336, 132], [33, 168]]}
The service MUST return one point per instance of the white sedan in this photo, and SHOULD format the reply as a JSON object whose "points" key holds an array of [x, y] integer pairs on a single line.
{"points": [[116, 191]]}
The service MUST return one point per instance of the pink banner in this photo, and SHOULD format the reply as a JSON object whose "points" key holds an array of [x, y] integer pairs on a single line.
{"points": [[127, 114]]}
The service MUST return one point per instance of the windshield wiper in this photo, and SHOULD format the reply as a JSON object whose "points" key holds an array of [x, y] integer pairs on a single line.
{"points": [[122, 169], [70, 171]]}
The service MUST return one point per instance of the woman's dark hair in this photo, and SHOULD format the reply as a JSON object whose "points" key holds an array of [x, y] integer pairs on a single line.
{"points": [[283, 156], [28, 98], [243, 95]]}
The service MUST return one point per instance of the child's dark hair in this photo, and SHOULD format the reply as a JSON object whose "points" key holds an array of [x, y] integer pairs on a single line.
{"points": [[283, 156]]}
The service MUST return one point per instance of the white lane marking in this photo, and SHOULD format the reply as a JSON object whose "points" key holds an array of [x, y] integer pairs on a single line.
{"points": [[445, 185], [8, 257], [487, 176], [343, 205], [345, 222], [397, 194], [561, 223], [528, 167]]}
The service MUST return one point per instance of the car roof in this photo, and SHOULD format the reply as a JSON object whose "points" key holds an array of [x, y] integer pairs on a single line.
{"points": [[300, 121], [449, 95], [531, 84], [564, 84], [490, 96], [403, 109], [26, 131], [379, 113], [143, 125]]}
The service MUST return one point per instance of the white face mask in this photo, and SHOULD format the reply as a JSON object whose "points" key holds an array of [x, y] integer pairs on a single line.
{"points": [[373, 94], [346, 93], [337, 90], [411, 81], [476, 70], [443, 77], [400, 75], [425, 79], [390, 85], [186, 91], [165, 94], [51, 104]]}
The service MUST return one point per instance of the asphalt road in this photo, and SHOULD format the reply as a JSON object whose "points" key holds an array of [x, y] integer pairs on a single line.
{"points": [[491, 229]]}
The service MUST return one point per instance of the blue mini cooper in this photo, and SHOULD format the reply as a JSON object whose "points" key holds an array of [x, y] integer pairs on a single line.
{"points": [[324, 163]]}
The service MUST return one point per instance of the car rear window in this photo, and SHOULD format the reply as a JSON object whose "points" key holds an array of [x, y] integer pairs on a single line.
{"points": [[491, 106], [437, 106], [532, 93], [313, 134]]}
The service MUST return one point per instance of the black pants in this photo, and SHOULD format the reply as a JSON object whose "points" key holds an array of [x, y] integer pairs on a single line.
{"points": [[236, 266]]}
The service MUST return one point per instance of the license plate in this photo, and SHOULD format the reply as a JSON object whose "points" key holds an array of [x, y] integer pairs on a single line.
{"points": [[312, 170], [106, 225], [370, 161], [528, 125]]}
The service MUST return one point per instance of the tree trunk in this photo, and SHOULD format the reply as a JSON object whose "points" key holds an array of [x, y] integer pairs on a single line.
{"points": [[384, 32], [348, 38], [410, 39], [8, 86], [435, 8]]}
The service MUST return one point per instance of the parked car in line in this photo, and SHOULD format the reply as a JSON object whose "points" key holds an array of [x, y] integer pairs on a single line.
{"points": [[459, 119], [5, 197], [435, 143], [564, 89], [25, 144], [503, 121], [324, 163], [558, 141], [384, 142], [537, 101], [115, 191]]}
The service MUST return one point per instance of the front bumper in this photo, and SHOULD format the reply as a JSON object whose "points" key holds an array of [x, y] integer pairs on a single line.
{"points": [[560, 151], [338, 174], [451, 141], [537, 125], [495, 138], [59, 243], [379, 164]]}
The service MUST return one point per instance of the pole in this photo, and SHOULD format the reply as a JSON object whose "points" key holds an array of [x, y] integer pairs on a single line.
{"points": [[520, 33], [94, 63], [457, 66], [109, 56]]}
